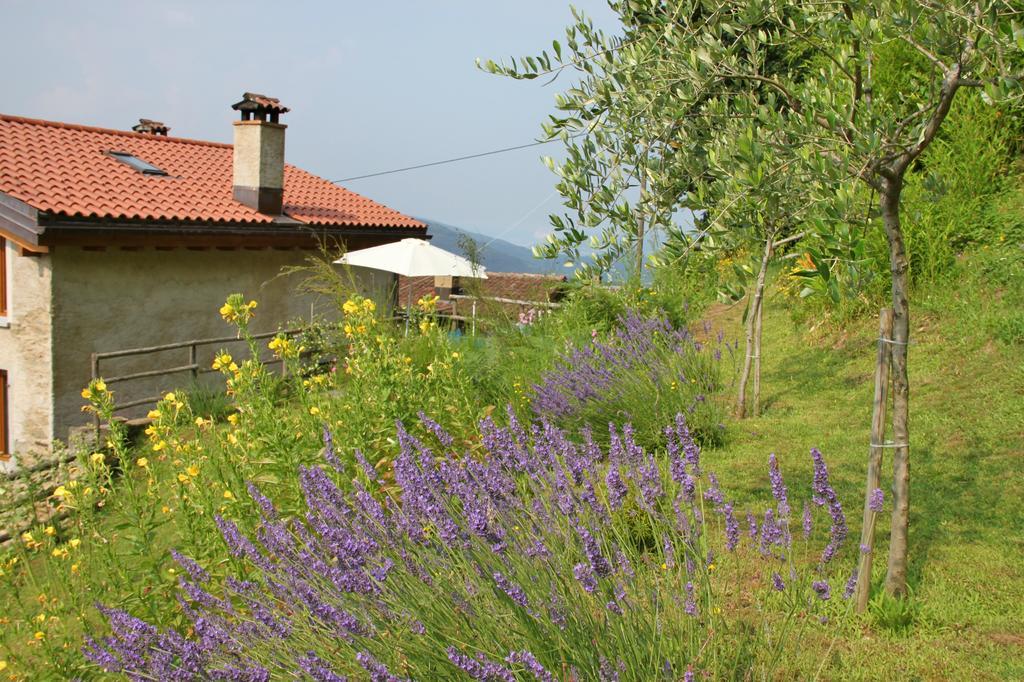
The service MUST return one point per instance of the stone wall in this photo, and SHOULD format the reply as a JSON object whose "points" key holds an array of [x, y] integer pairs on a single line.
{"points": [[25, 343]]}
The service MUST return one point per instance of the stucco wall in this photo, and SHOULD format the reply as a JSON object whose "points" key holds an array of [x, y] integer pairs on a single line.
{"points": [[114, 299], [25, 342]]}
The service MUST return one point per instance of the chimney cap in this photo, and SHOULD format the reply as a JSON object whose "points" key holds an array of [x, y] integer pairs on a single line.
{"points": [[148, 125], [254, 104]]}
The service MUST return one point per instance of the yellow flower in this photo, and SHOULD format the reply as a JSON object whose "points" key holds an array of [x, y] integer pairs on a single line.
{"points": [[226, 310], [74, 542], [165, 509], [193, 470], [228, 495], [368, 305], [232, 439], [711, 567], [39, 635], [50, 530], [221, 361], [350, 307], [182, 478], [142, 461], [97, 458], [3, 666], [233, 419], [60, 491], [86, 393], [455, 355], [171, 398], [74, 568], [27, 538], [100, 386], [157, 447], [153, 414], [314, 410]]}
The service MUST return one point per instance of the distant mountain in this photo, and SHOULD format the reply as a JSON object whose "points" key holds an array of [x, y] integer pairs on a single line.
{"points": [[498, 255]]}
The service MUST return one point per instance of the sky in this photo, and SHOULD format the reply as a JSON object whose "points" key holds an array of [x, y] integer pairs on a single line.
{"points": [[373, 86]]}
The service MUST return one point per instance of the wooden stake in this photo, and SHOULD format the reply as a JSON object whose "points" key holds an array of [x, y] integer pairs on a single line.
{"points": [[878, 409]]}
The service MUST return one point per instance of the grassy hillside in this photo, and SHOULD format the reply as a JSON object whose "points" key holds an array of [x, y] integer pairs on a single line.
{"points": [[967, 468]]}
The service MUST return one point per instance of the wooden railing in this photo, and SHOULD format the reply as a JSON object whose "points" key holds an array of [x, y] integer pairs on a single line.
{"points": [[192, 366], [455, 298]]}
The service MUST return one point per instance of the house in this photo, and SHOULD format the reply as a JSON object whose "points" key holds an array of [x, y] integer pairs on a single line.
{"points": [[123, 239], [505, 293]]}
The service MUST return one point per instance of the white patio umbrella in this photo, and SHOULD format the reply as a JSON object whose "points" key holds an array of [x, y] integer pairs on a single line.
{"points": [[413, 258]]}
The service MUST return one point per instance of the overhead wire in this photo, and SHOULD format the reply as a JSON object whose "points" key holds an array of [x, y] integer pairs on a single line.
{"points": [[444, 161]]}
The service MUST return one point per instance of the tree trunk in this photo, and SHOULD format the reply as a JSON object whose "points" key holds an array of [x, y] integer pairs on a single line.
{"points": [[757, 354], [896, 575], [752, 314], [640, 232], [867, 532]]}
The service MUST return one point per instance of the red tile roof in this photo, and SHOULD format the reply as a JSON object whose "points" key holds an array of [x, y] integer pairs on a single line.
{"points": [[65, 170]]}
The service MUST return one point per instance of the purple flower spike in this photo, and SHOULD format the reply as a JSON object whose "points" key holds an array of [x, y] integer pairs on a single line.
{"points": [[807, 521], [778, 487], [318, 669], [480, 667], [777, 582], [732, 528], [585, 575], [822, 589], [514, 592], [690, 607], [877, 501], [530, 662], [851, 584]]}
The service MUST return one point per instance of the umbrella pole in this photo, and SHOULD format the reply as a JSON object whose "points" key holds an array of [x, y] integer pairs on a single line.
{"points": [[408, 307]]}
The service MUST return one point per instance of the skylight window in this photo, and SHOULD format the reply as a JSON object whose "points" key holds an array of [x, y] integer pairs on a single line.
{"points": [[138, 164]]}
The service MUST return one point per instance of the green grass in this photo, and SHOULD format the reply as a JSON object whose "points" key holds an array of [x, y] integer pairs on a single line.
{"points": [[967, 487]]}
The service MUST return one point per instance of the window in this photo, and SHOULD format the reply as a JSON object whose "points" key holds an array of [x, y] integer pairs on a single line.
{"points": [[138, 164], [3, 277]]}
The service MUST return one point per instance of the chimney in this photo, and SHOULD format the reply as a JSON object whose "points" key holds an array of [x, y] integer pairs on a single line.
{"points": [[149, 126], [259, 153]]}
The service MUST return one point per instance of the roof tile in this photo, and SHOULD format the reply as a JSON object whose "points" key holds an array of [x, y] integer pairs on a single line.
{"points": [[66, 170]]}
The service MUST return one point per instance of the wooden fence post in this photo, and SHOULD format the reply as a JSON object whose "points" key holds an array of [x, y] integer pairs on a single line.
{"points": [[193, 359], [94, 370], [874, 479]]}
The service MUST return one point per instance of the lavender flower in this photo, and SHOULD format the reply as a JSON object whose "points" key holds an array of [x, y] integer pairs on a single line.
{"points": [[514, 592], [752, 525], [778, 487], [194, 570], [713, 493], [318, 669], [777, 582], [822, 589], [329, 453], [876, 501], [851, 584], [824, 494], [479, 667], [261, 500], [732, 528], [530, 662], [807, 521], [617, 489], [378, 671], [690, 607], [585, 575]]}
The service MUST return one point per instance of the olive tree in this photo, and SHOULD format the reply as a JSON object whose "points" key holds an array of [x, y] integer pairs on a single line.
{"points": [[682, 66]]}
